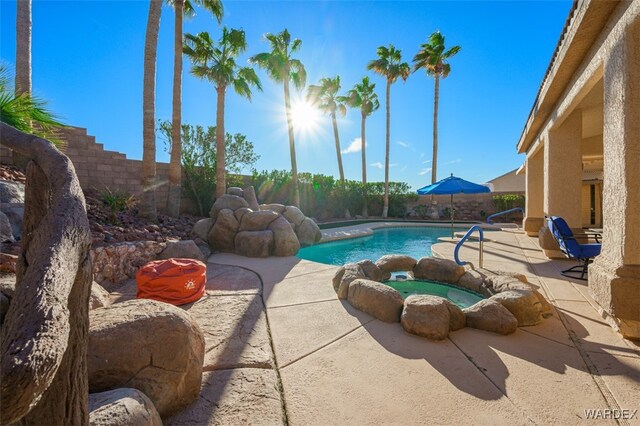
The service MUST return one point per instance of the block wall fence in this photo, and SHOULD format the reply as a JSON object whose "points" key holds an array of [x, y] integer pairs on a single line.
{"points": [[98, 168]]}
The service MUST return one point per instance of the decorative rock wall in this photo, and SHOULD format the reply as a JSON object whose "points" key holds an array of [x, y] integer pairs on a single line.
{"points": [[119, 262], [511, 301], [237, 224]]}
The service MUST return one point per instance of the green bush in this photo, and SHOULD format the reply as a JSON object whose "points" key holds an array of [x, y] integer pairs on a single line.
{"points": [[324, 197], [116, 201]]}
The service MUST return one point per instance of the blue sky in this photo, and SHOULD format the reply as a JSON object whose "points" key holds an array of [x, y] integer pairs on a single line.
{"points": [[87, 62]]}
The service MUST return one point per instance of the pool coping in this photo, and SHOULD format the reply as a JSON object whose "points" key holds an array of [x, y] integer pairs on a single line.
{"points": [[366, 229]]}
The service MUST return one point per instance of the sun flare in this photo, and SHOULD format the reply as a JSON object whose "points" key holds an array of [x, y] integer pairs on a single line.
{"points": [[304, 116]]}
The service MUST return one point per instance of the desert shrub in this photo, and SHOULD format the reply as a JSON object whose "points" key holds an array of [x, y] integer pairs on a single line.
{"points": [[506, 202], [116, 201], [199, 160]]}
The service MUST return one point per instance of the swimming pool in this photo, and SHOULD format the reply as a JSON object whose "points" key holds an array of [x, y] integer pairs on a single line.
{"points": [[411, 241]]}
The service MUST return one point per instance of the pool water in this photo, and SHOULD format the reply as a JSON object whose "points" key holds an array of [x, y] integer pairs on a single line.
{"points": [[415, 242], [461, 297]]}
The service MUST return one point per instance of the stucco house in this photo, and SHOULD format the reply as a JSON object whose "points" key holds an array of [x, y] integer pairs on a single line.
{"points": [[582, 146]]}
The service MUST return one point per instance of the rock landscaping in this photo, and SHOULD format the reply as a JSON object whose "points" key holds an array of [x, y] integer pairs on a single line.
{"points": [[511, 301], [237, 224]]}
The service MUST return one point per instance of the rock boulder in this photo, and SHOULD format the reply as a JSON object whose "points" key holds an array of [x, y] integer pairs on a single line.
{"points": [[308, 232], [373, 272], [223, 233], [99, 297], [151, 346], [202, 227], [436, 269], [376, 299], [490, 315], [426, 316], [122, 407], [254, 243], [230, 202], [285, 241], [523, 304], [343, 278], [294, 215], [257, 221], [278, 208], [184, 249], [396, 263]]}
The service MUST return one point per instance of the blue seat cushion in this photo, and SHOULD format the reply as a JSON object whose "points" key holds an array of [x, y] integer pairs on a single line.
{"points": [[588, 251]]}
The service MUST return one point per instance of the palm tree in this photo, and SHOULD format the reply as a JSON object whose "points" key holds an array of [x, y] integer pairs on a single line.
{"points": [[362, 96], [148, 199], [183, 8], [433, 58], [389, 65], [282, 68], [216, 62], [325, 97], [27, 113], [23, 47]]}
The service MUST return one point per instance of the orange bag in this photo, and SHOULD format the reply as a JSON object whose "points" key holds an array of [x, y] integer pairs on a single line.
{"points": [[175, 281]]}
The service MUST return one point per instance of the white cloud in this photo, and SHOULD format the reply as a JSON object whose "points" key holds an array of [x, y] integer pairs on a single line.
{"points": [[378, 165], [354, 146], [426, 162], [424, 171], [456, 161], [393, 164], [403, 144], [403, 169]]}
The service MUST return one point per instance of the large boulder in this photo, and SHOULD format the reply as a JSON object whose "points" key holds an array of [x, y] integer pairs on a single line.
{"points": [[308, 232], [4, 307], [15, 214], [122, 407], [254, 243], [373, 272], [257, 221], [426, 316], [6, 232], [490, 315], [11, 192], [294, 215], [344, 277], [436, 269], [523, 304], [231, 202], [183, 249], [99, 297], [152, 346], [234, 190], [223, 233], [396, 263], [250, 197], [285, 241], [471, 280], [376, 299], [278, 208], [239, 214], [202, 227]]}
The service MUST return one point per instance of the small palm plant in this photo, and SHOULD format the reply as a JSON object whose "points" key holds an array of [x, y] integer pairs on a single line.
{"points": [[433, 57], [27, 113], [389, 65], [325, 97], [364, 98], [216, 62], [283, 68]]}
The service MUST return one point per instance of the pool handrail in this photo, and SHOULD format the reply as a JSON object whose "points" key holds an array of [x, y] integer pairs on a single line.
{"points": [[465, 238], [515, 209]]}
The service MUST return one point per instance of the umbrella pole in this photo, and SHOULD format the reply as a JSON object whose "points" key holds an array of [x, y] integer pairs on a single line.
{"points": [[451, 216]]}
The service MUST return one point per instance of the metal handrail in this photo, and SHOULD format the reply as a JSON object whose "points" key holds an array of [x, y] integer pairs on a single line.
{"points": [[465, 238], [504, 212]]}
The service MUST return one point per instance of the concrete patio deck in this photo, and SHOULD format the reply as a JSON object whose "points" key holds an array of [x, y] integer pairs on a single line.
{"points": [[336, 365]]}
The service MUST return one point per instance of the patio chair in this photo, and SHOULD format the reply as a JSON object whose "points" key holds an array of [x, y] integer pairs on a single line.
{"points": [[583, 253]]}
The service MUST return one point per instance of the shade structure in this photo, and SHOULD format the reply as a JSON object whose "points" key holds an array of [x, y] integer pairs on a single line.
{"points": [[453, 185]]}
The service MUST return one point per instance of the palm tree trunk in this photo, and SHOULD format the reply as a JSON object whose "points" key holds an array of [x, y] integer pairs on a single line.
{"points": [[175, 166], [23, 47], [221, 177], [434, 162], [337, 138], [292, 145], [385, 209], [148, 201], [365, 212], [23, 61]]}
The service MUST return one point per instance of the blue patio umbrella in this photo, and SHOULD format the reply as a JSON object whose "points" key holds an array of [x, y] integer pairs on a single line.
{"points": [[453, 185]]}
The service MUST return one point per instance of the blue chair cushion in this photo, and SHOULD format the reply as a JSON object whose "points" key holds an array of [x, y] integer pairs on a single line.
{"points": [[587, 251], [564, 236]]}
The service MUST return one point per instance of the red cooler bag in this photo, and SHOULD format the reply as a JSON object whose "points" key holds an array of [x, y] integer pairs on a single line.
{"points": [[175, 281]]}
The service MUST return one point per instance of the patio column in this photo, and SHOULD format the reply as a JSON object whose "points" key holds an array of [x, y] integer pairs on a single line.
{"points": [[562, 179], [534, 216], [614, 277]]}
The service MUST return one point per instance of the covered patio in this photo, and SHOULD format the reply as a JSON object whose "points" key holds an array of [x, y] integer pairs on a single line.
{"points": [[582, 148]]}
